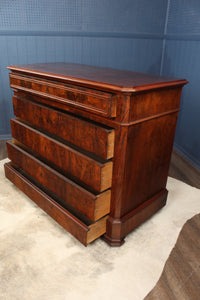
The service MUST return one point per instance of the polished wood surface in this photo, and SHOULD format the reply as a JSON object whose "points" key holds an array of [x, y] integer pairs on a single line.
{"points": [[94, 206], [100, 103], [93, 173], [156, 102], [144, 156], [89, 136], [106, 78], [180, 167], [130, 136]]}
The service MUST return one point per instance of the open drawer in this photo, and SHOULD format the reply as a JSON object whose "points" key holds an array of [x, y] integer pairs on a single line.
{"points": [[89, 136], [85, 232], [95, 174], [92, 205]]}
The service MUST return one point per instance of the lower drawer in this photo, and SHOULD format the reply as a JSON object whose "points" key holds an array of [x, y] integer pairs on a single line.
{"points": [[85, 233], [95, 174], [94, 206]]}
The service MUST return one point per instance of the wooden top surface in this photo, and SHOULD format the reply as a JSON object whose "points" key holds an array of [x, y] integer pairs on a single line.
{"points": [[98, 77]]}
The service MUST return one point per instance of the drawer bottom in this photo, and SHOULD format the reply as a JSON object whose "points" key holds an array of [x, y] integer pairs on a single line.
{"points": [[85, 233]]}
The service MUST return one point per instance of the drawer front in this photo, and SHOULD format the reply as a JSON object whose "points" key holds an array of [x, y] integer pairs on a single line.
{"points": [[84, 232], [91, 205], [91, 172], [97, 102], [86, 135]]}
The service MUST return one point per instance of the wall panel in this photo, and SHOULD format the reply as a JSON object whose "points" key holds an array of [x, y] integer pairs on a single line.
{"points": [[142, 55], [182, 59], [31, 49], [184, 18], [123, 34], [135, 16]]}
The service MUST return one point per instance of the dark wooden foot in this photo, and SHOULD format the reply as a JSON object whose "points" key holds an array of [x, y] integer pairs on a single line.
{"points": [[117, 229], [113, 242]]}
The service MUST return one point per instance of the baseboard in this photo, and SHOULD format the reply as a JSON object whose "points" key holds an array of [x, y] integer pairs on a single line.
{"points": [[189, 158], [183, 169], [5, 137]]}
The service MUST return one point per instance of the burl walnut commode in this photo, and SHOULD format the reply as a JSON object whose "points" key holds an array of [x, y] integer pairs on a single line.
{"points": [[92, 146]]}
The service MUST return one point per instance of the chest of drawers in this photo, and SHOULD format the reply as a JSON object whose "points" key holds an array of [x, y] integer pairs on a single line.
{"points": [[92, 146]]}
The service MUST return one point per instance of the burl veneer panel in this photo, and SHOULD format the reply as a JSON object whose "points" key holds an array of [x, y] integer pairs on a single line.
{"points": [[90, 100], [149, 103], [94, 206], [93, 173], [89, 136], [149, 146]]}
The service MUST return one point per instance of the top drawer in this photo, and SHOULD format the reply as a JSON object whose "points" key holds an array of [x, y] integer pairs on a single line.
{"points": [[100, 103]]}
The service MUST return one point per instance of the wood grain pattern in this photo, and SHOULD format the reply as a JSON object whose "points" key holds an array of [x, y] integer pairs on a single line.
{"points": [[95, 101], [146, 164], [89, 136], [122, 113], [154, 102], [91, 205], [110, 122], [141, 108], [79, 165], [84, 233], [97, 77]]}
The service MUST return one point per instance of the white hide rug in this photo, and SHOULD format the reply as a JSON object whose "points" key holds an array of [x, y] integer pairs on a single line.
{"points": [[39, 260]]}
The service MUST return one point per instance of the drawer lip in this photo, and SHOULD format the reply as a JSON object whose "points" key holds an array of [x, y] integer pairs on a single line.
{"points": [[102, 180], [84, 233], [54, 70], [98, 102], [71, 128], [93, 206]]}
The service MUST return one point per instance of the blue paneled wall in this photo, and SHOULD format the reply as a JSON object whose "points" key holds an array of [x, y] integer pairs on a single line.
{"points": [[114, 33], [158, 36], [182, 59]]}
